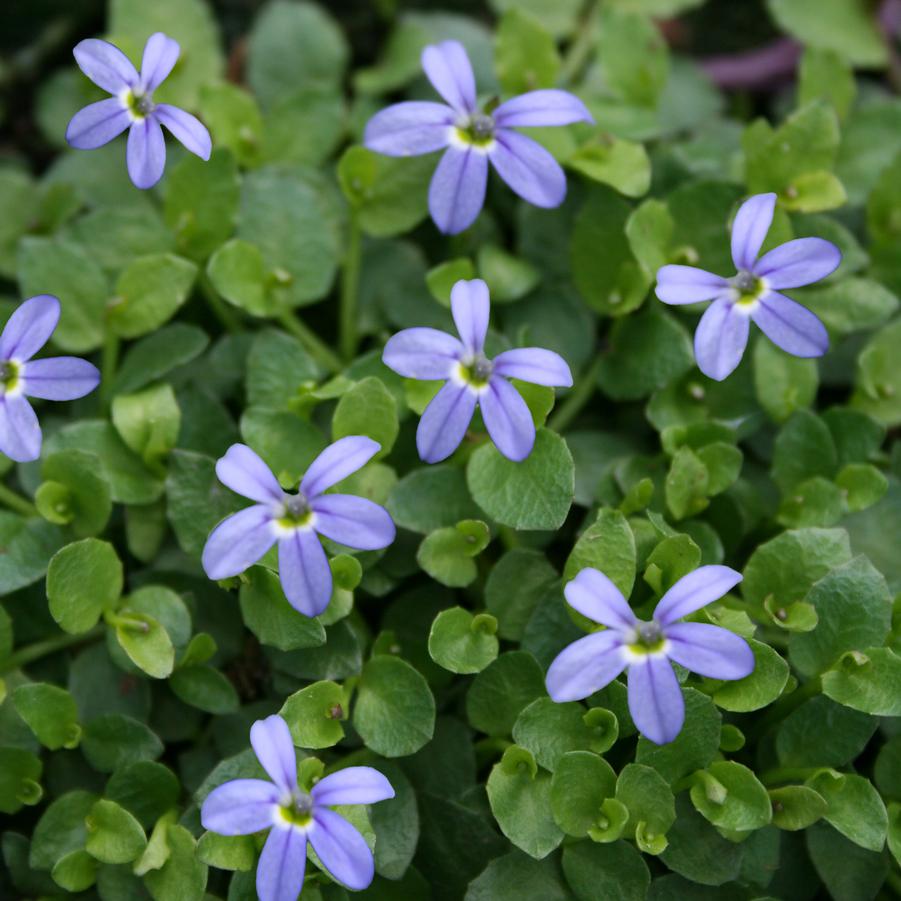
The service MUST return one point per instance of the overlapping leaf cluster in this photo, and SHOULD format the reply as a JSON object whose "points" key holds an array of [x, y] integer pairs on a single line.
{"points": [[129, 680]]}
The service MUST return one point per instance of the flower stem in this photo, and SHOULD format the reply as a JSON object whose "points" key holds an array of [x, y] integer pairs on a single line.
{"points": [[16, 502], [350, 281], [577, 398], [577, 53], [317, 348], [108, 362], [39, 649]]}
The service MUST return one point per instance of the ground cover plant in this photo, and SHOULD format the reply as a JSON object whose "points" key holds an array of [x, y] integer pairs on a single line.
{"points": [[450, 451]]}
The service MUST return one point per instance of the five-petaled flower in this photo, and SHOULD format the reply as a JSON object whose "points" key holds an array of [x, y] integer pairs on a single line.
{"points": [[471, 137], [54, 378], [645, 648], [472, 379], [295, 521], [132, 107], [245, 806], [754, 292]]}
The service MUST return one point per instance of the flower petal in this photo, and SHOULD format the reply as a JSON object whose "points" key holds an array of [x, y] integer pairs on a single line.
{"points": [[188, 130], [145, 153], [710, 650], [528, 169], [337, 462], [721, 338], [106, 65], [304, 572], [29, 328], [97, 124], [694, 591], [274, 747], [239, 807], [409, 129], [592, 594], [422, 353], [688, 284], [20, 431], [352, 785], [238, 542], [655, 699], [457, 189], [798, 263], [444, 422], [447, 67], [508, 419], [59, 378], [752, 222], [160, 56], [586, 666], [790, 326], [535, 365], [471, 309], [353, 521], [281, 866], [541, 108], [242, 470], [342, 850]]}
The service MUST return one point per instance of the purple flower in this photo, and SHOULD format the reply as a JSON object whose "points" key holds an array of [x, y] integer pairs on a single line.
{"points": [[472, 379], [296, 521], [131, 106], [753, 293], [471, 137], [54, 378], [245, 806], [655, 699]]}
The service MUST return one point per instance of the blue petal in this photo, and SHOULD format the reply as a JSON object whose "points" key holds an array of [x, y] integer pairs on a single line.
{"points": [[342, 850], [508, 419], [304, 572], [274, 747], [410, 129], [710, 650], [422, 353], [592, 594], [790, 326], [447, 67], [444, 422], [353, 521], [535, 365], [337, 462], [280, 870], [240, 807], [238, 542], [352, 785], [721, 338], [586, 666], [655, 699], [694, 591], [457, 189], [752, 222]]}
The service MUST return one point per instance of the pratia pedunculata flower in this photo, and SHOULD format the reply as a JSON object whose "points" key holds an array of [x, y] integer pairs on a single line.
{"points": [[753, 293], [296, 521], [472, 379], [295, 817], [645, 649], [131, 106], [53, 378], [473, 137]]}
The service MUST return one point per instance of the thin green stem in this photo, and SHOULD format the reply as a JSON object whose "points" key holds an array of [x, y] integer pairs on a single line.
{"points": [[108, 361], [40, 649], [577, 398], [350, 283], [219, 306], [579, 50], [16, 502], [311, 341]]}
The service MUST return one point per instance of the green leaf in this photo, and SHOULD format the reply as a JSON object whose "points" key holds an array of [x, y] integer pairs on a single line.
{"points": [[148, 422], [83, 580], [609, 546], [761, 687], [149, 292], [234, 120], [606, 871], [267, 613], [64, 269], [305, 126], [502, 690], [50, 713], [796, 807], [620, 164], [687, 484], [783, 383], [447, 554], [205, 688], [442, 278], [845, 733], [238, 273], [113, 740], [508, 277], [854, 807], [862, 485], [731, 797], [649, 801], [826, 75], [516, 875], [159, 354], [183, 875], [227, 852], [430, 498], [515, 586], [582, 782], [849, 872], [86, 494], [461, 642], [114, 835], [525, 55], [145, 788], [840, 25], [146, 643], [519, 794], [313, 714], [534, 494], [804, 448], [868, 680], [813, 502], [549, 730], [20, 773], [394, 712], [389, 195], [633, 56], [75, 871], [61, 829], [368, 408], [29, 545]]}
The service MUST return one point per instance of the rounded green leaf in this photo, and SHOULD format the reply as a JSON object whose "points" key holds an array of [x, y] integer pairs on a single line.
{"points": [[581, 783], [502, 690], [368, 408], [83, 580], [50, 713], [314, 715], [114, 835], [462, 642]]}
